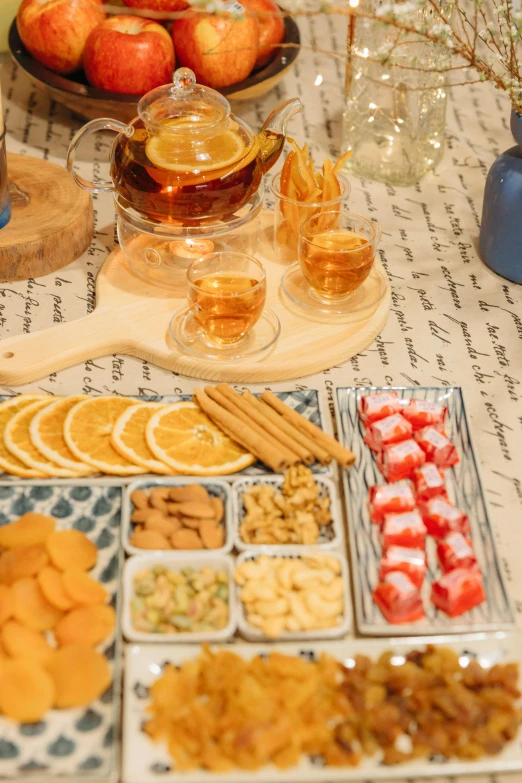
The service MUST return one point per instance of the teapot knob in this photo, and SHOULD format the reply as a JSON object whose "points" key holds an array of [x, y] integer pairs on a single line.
{"points": [[184, 78]]}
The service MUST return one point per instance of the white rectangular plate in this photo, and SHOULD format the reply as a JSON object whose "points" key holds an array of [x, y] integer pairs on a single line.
{"points": [[80, 743], [148, 762], [465, 490]]}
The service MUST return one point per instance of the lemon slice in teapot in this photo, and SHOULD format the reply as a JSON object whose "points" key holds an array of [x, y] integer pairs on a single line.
{"points": [[183, 154]]}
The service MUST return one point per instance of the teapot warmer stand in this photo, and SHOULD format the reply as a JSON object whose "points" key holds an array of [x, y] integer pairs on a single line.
{"points": [[52, 220], [132, 317]]}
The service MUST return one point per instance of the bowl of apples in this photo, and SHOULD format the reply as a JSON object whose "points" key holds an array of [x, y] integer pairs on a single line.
{"points": [[99, 65]]}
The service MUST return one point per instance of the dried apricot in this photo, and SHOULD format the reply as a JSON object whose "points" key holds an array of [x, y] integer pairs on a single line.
{"points": [[149, 539], [22, 642], [71, 549], [51, 585], [31, 607], [80, 675], [87, 625], [28, 530], [26, 691], [22, 562], [6, 603], [82, 588]]}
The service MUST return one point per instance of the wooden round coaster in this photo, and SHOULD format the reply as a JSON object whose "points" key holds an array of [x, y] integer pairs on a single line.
{"points": [[52, 219], [132, 317]]}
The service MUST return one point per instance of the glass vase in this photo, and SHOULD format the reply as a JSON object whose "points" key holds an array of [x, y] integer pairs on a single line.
{"points": [[395, 108], [5, 200]]}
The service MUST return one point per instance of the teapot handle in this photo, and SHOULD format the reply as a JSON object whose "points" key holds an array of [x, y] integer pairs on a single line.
{"points": [[94, 126]]}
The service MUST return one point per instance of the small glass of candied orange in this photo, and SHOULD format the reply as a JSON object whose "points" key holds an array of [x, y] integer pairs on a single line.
{"points": [[302, 191]]}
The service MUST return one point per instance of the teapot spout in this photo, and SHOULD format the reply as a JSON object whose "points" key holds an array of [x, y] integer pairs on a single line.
{"points": [[278, 119], [273, 132]]}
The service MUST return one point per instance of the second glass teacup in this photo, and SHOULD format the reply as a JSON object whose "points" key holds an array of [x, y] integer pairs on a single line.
{"points": [[336, 253], [225, 318]]}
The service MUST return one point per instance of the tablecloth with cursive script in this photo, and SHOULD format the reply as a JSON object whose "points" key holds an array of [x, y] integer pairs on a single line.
{"points": [[452, 321]]}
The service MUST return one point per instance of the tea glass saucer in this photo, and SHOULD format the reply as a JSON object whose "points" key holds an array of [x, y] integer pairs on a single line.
{"points": [[358, 305], [189, 336]]}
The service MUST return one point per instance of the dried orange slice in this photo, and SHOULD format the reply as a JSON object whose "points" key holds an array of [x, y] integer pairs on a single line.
{"points": [[219, 151], [128, 436], [8, 461], [26, 691], [19, 443], [87, 432], [46, 433], [182, 436]]}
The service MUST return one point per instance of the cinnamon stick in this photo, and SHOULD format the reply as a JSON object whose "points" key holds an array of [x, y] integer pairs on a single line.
{"points": [[344, 456], [254, 415], [225, 402], [319, 453], [240, 432]]}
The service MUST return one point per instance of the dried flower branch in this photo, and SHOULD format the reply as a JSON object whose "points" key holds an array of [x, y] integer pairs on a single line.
{"points": [[483, 35]]}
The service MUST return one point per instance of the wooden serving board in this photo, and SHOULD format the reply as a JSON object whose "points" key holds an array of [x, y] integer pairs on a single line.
{"points": [[132, 317], [52, 220]]}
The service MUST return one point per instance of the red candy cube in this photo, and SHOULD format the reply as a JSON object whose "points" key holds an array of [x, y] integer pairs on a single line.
{"points": [[373, 407], [458, 591], [429, 482], [411, 562], [437, 447], [441, 518], [399, 460], [406, 530], [421, 413], [392, 429], [454, 552], [398, 599], [390, 499]]}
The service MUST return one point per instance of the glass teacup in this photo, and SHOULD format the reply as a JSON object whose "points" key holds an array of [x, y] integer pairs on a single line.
{"points": [[226, 293], [336, 253]]}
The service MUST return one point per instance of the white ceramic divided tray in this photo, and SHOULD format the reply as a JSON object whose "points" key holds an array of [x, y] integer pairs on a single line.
{"points": [[193, 560], [253, 634], [464, 489], [331, 535], [148, 762], [215, 487]]}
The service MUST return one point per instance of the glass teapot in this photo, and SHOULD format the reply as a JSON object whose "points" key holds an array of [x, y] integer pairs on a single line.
{"points": [[186, 157]]}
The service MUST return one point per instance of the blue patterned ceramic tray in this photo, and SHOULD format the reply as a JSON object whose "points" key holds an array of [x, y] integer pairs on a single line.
{"points": [[307, 402], [82, 743], [464, 489], [147, 762]]}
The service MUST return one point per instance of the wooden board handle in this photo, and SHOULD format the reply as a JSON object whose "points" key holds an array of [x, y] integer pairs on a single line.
{"points": [[28, 357]]}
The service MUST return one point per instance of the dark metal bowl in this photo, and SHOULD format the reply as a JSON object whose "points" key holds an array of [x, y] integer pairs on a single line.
{"points": [[76, 94]]}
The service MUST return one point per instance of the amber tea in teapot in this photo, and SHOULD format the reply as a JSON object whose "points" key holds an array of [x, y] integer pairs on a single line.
{"points": [[146, 179], [185, 157]]}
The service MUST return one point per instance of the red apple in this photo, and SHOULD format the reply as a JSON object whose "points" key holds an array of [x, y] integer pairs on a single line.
{"points": [[271, 27], [158, 5], [221, 50], [55, 31], [128, 54]]}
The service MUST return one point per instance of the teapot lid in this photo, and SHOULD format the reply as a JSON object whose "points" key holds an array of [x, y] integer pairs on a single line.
{"points": [[198, 108]]}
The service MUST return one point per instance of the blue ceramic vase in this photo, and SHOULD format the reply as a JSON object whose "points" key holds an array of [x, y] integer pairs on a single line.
{"points": [[501, 227]]}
